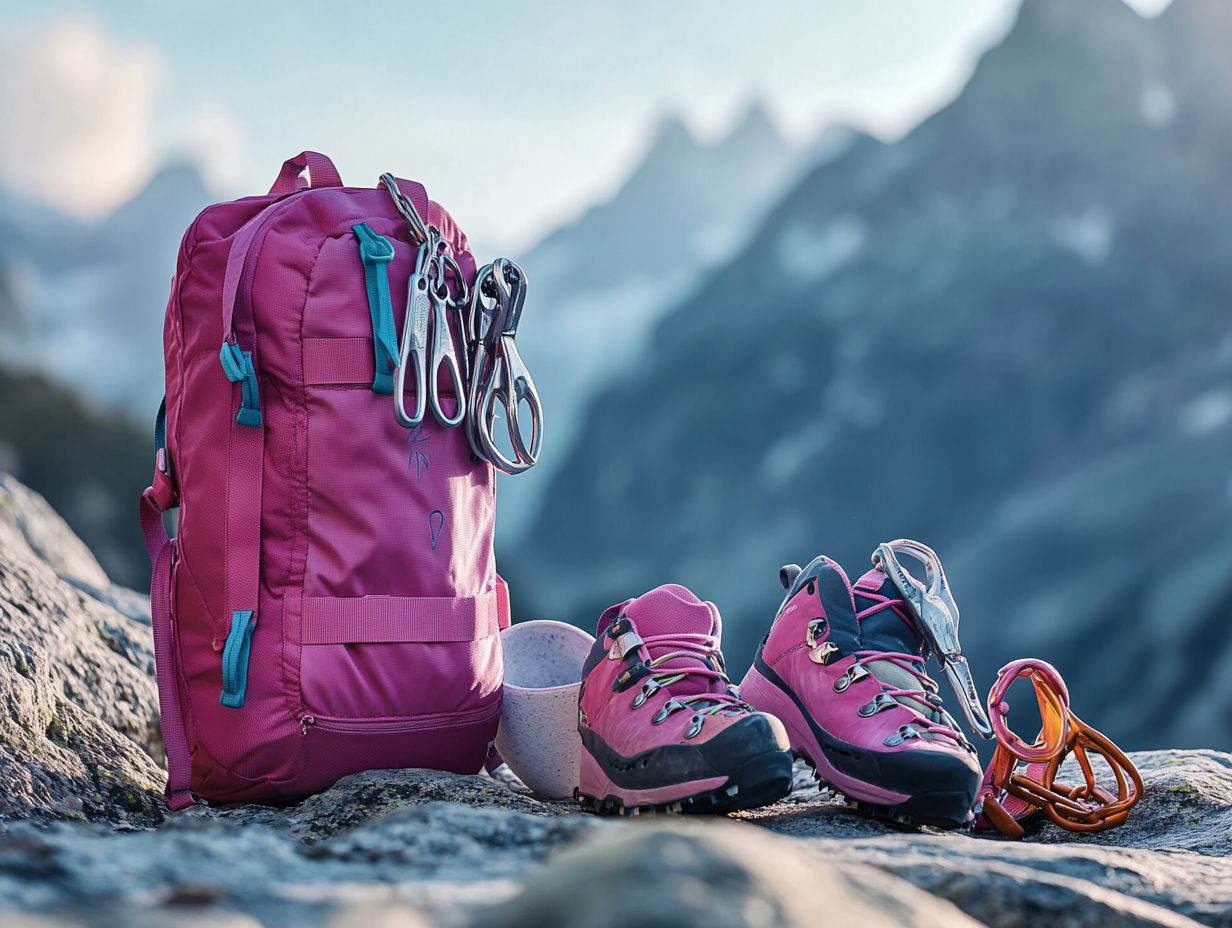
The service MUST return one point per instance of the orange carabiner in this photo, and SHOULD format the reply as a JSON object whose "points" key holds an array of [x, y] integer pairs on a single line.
{"points": [[1010, 795]]}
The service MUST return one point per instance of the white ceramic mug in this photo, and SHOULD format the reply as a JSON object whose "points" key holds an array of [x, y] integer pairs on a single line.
{"points": [[538, 735]]}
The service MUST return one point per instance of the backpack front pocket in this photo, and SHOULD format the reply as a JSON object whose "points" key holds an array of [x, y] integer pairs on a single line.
{"points": [[393, 511], [391, 657], [395, 628]]}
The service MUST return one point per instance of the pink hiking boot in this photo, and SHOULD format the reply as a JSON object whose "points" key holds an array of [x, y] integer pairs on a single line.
{"points": [[843, 668], [662, 727]]}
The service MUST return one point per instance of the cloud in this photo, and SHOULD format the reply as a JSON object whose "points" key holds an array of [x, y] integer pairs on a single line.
{"points": [[208, 134], [78, 110]]}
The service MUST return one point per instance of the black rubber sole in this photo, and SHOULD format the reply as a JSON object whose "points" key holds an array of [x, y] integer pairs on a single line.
{"points": [[949, 810], [759, 781]]}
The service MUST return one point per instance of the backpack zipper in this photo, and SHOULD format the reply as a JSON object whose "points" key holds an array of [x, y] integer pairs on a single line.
{"points": [[258, 240], [397, 726], [254, 248]]}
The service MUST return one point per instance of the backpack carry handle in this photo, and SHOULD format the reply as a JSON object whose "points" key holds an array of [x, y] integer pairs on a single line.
{"points": [[321, 173]]}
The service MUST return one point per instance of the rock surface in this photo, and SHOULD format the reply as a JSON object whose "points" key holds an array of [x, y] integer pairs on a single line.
{"points": [[78, 730], [413, 847]]}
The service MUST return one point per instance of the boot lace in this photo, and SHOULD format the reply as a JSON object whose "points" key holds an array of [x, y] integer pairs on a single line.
{"points": [[926, 692], [704, 660]]}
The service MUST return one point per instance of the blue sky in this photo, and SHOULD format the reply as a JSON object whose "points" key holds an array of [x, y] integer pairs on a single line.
{"points": [[515, 115]]}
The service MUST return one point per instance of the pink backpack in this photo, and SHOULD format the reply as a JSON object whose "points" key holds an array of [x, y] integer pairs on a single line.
{"points": [[330, 602]]}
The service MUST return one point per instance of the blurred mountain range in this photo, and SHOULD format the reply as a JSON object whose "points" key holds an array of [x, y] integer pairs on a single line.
{"points": [[1008, 335], [600, 283], [82, 302], [81, 359]]}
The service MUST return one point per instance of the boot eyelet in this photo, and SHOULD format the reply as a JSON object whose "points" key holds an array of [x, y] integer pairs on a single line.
{"points": [[854, 674], [668, 708], [649, 688], [878, 703], [695, 727], [904, 732]]}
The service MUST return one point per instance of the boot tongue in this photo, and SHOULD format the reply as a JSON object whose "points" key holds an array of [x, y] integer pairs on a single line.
{"points": [[672, 609], [889, 629]]}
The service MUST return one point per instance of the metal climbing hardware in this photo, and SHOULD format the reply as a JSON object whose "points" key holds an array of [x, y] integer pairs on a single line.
{"points": [[487, 376], [934, 607], [500, 381], [1020, 782]]}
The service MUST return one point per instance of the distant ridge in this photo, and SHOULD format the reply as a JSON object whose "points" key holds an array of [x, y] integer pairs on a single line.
{"points": [[1006, 334]]}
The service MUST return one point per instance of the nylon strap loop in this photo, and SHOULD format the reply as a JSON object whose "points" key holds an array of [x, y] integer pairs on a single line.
{"points": [[376, 252]]}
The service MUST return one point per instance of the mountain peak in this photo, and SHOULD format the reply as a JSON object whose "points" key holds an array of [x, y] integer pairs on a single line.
{"points": [[176, 188], [1065, 15], [755, 124], [670, 138], [181, 175]]}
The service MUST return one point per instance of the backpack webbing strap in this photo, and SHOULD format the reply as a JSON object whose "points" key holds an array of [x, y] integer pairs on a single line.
{"points": [[171, 718], [242, 512], [384, 619], [376, 251], [245, 460]]}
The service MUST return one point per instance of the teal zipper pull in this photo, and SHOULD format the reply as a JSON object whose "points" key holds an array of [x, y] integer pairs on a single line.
{"points": [[376, 251], [235, 658]]}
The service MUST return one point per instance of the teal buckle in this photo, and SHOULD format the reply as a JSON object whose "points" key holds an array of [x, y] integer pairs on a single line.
{"points": [[237, 365], [374, 248], [376, 251], [235, 658]]}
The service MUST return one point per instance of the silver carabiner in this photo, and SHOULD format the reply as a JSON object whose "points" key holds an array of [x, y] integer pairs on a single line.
{"points": [[413, 351], [459, 300], [517, 387], [480, 321], [934, 606], [508, 387], [443, 355], [415, 222], [499, 379]]}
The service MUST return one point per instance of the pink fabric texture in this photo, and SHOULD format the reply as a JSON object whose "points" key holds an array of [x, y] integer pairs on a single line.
{"points": [[363, 549]]}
